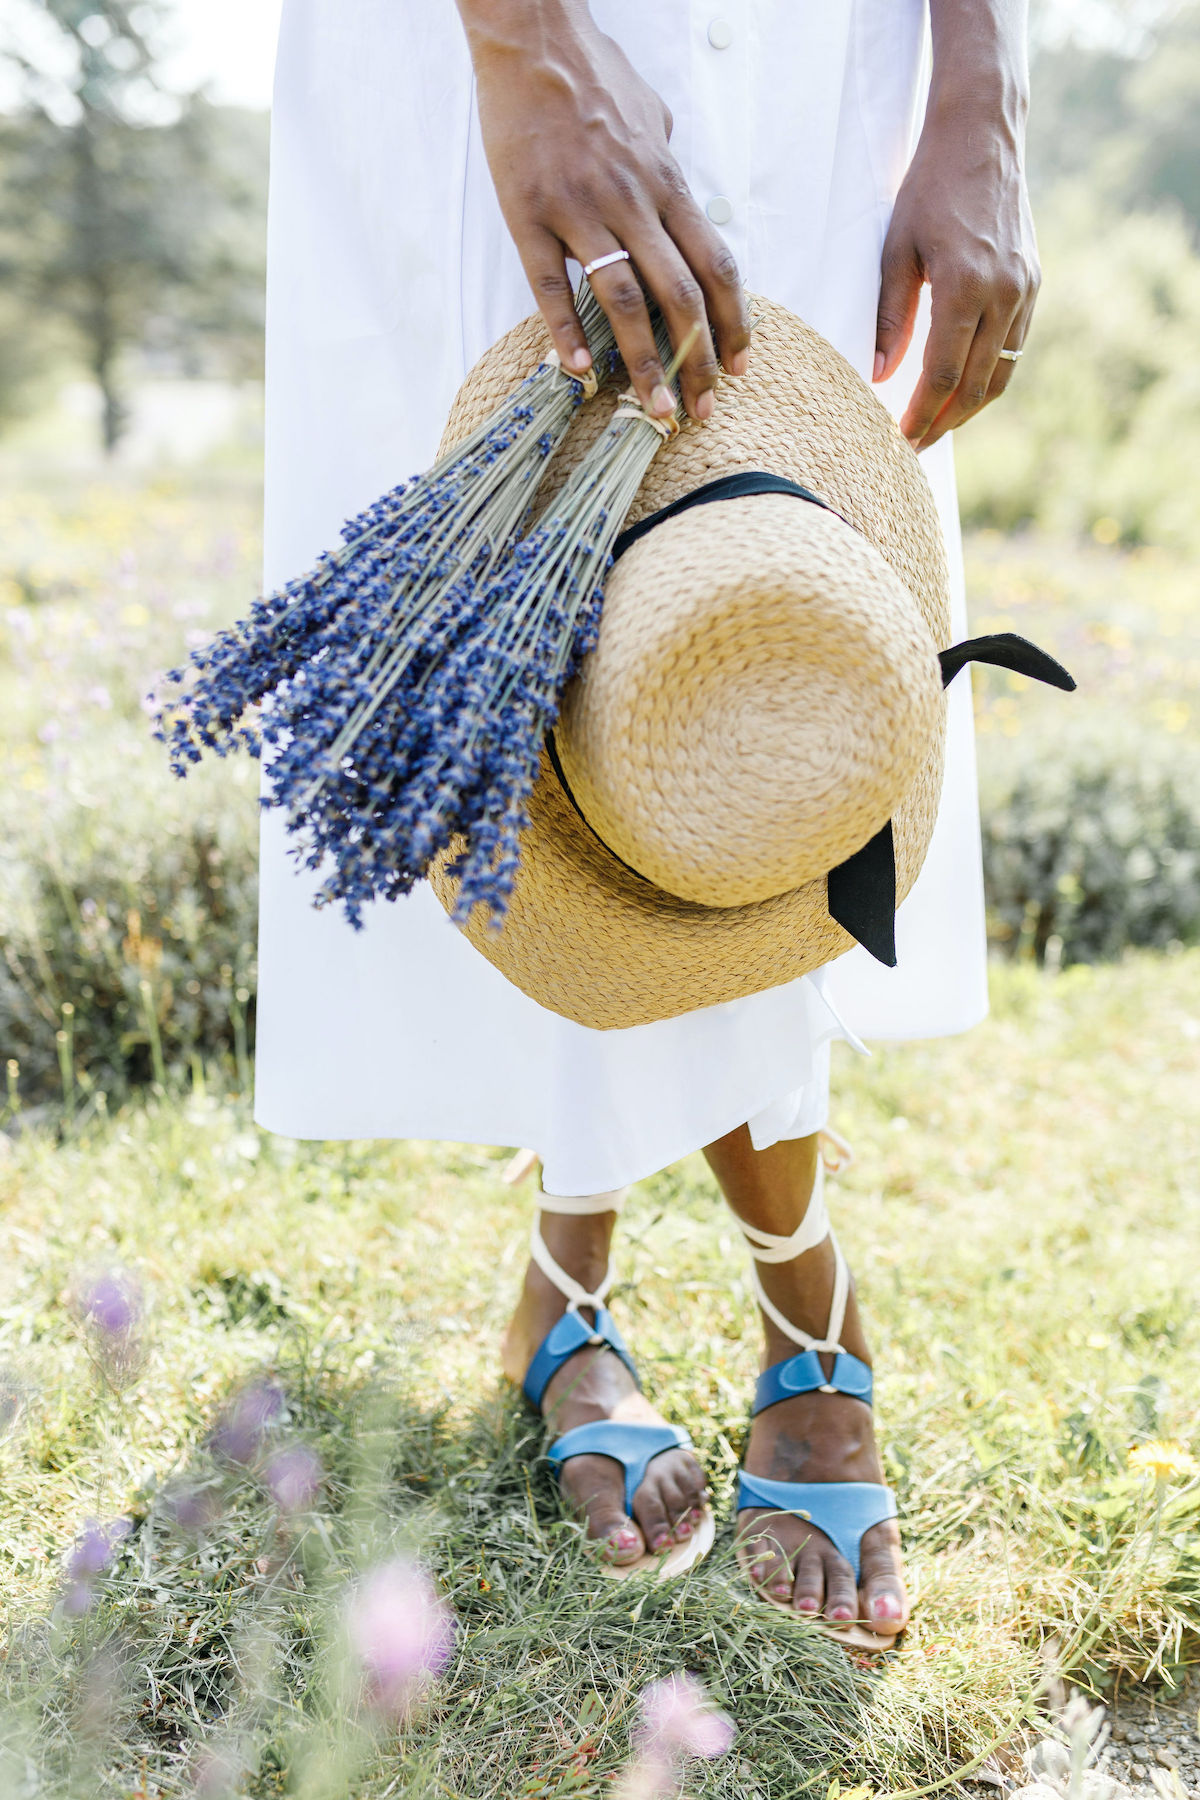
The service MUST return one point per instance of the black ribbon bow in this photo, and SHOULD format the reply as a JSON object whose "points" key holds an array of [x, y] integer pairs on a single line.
{"points": [[862, 890]]}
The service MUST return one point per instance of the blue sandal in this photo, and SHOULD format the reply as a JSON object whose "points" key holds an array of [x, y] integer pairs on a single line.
{"points": [[632, 1445], [844, 1510]]}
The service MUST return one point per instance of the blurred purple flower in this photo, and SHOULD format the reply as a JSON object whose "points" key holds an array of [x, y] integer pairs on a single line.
{"points": [[90, 1555], [112, 1303], [678, 1718], [294, 1476], [110, 1306], [243, 1426], [401, 1631], [195, 1506]]}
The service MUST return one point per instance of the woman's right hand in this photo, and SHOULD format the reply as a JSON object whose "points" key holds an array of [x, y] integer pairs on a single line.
{"points": [[578, 148]]}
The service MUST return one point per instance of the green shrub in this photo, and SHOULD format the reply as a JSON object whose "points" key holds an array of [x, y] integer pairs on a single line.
{"points": [[1091, 844], [127, 922], [1100, 431]]}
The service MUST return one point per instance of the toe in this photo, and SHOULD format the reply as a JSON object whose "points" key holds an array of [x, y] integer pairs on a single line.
{"points": [[651, 1512], [883, 1602], [594, 1486], [841, 1590], [767, 1559], [678, 1496], [808, 1591]]}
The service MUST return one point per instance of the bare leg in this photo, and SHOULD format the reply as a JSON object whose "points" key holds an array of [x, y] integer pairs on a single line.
{"points": [[594, 1384], [811, 1437]]}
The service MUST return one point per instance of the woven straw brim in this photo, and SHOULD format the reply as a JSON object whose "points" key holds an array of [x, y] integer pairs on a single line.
{"points": [[584, 935]]}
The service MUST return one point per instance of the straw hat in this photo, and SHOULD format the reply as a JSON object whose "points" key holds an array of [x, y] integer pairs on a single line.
{"points": [[762, 722]]}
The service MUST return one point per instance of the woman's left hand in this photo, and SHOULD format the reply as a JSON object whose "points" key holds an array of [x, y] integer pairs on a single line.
{"points": [[962, 223]]}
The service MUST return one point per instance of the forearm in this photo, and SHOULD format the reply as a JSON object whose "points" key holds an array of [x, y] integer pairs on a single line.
{"points": [[521, 27], [980, 64]]}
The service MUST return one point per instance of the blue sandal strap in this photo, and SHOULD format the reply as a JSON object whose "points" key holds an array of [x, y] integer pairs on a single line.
{"points": [[844, 1510], [803, 1374], [633, 1446], [564, 1338]]}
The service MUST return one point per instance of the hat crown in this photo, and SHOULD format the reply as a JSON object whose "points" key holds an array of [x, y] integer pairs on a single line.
{"points": [[762, 695]]}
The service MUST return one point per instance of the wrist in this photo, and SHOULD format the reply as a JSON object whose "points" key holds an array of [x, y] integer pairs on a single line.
{"points": [[983, 106]]}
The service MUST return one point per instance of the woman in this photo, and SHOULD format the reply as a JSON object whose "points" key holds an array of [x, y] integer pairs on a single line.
{"points": [[428, 173]]}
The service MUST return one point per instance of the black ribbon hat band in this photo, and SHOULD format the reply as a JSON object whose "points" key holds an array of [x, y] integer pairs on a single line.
{"points": [[862, 890]]}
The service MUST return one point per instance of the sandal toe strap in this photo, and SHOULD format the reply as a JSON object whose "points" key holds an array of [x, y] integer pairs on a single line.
{"points": [[844, 1510], [633, 1446]]}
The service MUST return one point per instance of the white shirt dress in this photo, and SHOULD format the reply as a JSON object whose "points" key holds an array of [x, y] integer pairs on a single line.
{"points": [[390, 272]]}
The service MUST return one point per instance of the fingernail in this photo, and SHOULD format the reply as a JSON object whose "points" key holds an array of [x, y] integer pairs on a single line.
{"points": [[662, 401], [739, 363], [705, 404], [841, 1612], [880, 359], [886, 1606], [807, 1605], [581, 360]]}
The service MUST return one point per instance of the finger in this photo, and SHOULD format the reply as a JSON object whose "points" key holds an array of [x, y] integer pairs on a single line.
{"points": [[972, 390], [1005, 368], [545, 265], [951, 334], [619, 292], [899, 292], [713, 265], [681, 301]]}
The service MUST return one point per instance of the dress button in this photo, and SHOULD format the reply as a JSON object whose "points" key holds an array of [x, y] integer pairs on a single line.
{"points": [[719, 209], [720, 34]]}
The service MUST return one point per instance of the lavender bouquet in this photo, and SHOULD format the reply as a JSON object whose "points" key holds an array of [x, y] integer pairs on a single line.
{"points": [[403, 689]]}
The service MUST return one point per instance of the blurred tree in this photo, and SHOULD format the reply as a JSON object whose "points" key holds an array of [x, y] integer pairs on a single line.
{"points": [[124, 210], [1127, 124]]}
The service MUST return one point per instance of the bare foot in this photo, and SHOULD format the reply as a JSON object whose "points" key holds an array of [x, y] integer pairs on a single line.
{"points": [[819, 1437], [595, 1384]]}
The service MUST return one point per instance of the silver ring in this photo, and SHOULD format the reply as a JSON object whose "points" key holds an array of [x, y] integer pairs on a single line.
{"points": [[1004, 355], [604, 262]]}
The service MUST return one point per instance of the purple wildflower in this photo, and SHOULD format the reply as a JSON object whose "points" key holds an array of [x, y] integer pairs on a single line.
{"points": [[251, 1417], [294, 1476], [111, 1309], [678, 1718], [91, 1554], [194, 1506], [402, 1633]]}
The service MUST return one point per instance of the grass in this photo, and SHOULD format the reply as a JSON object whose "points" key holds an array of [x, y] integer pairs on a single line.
{"points": [[1023, 1218]]}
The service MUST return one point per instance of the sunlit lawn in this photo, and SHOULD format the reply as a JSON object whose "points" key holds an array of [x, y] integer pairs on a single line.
{"points": [[1024, 1217]]}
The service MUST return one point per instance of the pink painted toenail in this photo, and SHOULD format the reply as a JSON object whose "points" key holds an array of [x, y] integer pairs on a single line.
{"points": [[841, 1612], [808, 1604], [683, 1529], [624, 1540], [781, 1591], [886, 1606], [661, 1541]]}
